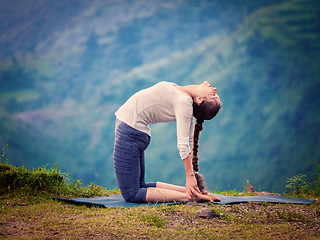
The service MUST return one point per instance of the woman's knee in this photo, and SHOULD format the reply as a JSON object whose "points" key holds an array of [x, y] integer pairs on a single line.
{"points": [[138, 196], [150, 184]]}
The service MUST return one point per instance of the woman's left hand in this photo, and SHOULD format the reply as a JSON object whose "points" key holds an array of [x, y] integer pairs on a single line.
{"points": [[192, 186], [194, 192]]}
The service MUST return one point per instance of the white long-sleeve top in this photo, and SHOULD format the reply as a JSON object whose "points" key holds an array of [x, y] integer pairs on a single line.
{"points": [[161, 103]]}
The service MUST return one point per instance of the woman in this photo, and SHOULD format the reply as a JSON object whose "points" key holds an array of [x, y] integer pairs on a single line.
{"points": [[163, 102]]}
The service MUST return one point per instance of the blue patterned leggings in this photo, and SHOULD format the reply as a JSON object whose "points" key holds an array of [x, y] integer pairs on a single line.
{"points": [[128, 162]]}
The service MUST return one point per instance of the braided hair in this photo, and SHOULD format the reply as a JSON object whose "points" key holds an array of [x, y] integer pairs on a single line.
{"points": [[204, 111], [195, 160], [197, 129]]}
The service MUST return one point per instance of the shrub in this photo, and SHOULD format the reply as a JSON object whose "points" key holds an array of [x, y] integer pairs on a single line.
{"points": [[29, 181], [298, 185], [316, 184]]}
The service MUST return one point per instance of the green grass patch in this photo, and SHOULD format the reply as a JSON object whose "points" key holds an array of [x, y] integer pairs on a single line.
{"points": [[19, 181]]}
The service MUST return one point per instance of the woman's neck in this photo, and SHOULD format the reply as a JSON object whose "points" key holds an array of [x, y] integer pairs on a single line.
{"points": [[191, 90]]}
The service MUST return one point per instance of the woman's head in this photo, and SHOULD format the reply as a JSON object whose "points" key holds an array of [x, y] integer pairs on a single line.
{"points": [[207, 103], [206, 110]]}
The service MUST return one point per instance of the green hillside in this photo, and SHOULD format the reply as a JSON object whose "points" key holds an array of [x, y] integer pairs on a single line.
{"points": [[57, 103]]}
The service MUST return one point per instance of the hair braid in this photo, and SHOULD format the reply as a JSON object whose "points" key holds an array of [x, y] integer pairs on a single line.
{"points": [[198, 128], [195, 160]]}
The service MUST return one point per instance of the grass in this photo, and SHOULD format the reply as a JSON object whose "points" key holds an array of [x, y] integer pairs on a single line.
{"points": [[29, 219], [28, 212], [19, 180]]}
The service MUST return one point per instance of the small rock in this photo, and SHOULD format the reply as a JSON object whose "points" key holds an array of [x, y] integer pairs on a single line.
{"points": [[207, 213]]}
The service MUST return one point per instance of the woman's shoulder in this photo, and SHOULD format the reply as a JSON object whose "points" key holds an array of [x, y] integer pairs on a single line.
{"points": [[183, 102]]}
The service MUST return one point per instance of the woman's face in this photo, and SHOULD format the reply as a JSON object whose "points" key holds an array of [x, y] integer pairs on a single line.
{"points": [[207, 92]]}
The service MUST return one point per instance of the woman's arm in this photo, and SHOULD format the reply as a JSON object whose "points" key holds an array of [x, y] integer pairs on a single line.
{"points": [[191, 181], [192, 185]]}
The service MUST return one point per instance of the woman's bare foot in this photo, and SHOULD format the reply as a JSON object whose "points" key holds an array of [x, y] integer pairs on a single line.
{"points": [[201, 198], [213, 197]]}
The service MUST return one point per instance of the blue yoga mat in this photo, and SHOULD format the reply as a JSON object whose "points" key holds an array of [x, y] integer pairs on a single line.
{"points": [[118, 201]]}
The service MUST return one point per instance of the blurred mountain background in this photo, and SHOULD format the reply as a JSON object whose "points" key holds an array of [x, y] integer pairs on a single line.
{"points": [[66, 66]]}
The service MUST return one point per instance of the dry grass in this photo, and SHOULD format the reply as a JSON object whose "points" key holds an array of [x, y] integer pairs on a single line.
{"points": [[28, 212], [34, 218]]}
